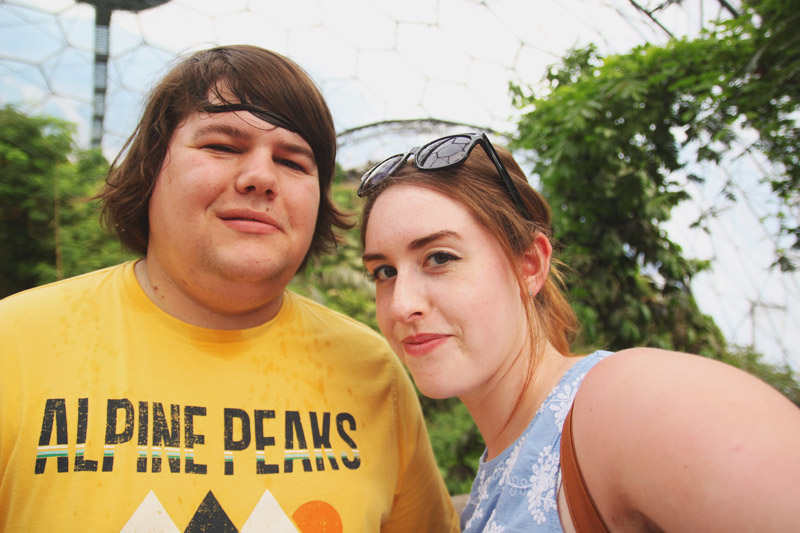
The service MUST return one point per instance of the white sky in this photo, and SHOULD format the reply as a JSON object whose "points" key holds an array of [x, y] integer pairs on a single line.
{"points": [[379, 60]]}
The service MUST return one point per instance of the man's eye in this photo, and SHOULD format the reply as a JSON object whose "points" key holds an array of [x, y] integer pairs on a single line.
{"points": [[293, 165], [220, 148], [383, 273], [441, 258]]}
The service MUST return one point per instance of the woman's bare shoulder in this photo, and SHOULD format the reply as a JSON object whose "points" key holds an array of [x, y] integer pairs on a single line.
{"points": [[685, 440]]}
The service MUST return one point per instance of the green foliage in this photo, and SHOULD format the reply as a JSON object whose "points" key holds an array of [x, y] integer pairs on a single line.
{"points": [[608, 134], [339, 280], [781, 377], [646, 105], [766, 91], [605, 155], [48, 225], [30, 151], [457, 443]]}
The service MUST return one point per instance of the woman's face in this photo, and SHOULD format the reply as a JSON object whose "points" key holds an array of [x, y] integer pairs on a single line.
{"points": [[448, 301]]}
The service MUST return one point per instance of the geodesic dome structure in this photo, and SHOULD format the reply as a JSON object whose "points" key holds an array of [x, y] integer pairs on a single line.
{"points": [[394, 73]]}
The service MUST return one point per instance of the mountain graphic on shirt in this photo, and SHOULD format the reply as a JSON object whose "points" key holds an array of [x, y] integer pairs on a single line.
{"points": [[268, 516]]}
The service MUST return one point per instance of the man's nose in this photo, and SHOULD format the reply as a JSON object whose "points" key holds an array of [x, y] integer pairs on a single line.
{"points": [[258, 174]]}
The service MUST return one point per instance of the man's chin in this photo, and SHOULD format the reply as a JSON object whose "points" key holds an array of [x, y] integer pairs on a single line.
{"points": [[247, 269]]}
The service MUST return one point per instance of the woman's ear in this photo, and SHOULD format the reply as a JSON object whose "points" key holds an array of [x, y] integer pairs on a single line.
{"points": [[535, 263]]}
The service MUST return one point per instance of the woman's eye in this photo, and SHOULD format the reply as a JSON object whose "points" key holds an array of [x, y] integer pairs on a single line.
{"points": [[382, 273], [440, 258]]}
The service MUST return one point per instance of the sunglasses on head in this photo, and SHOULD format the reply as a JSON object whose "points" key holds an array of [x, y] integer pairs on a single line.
{"points": [[440, 154]]}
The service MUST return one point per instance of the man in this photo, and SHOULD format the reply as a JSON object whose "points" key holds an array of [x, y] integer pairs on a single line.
{"points": [[189, 391]]}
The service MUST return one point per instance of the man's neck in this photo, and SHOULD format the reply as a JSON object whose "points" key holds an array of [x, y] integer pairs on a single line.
{"points": [[231, 306]]}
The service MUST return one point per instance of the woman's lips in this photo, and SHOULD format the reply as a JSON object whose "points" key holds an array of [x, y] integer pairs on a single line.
{"points": [[423, 344]]}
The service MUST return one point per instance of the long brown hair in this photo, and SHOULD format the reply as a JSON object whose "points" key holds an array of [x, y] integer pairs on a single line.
{"points": [[477, 185], [253, 76]]}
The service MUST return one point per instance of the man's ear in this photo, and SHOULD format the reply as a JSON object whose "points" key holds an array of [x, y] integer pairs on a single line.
{"points": [[535, 263]]}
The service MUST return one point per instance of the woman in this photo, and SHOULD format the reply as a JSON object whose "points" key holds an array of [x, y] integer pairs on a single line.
{"points": [[468, 296]]}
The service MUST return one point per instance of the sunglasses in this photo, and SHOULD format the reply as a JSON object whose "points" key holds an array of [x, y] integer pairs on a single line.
{"points": [[440, 154]]}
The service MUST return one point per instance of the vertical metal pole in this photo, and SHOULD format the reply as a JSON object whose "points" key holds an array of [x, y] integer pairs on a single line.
{"points": [[101, 48]]}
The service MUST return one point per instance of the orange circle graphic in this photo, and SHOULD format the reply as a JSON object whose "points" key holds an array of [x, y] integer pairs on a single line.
{"points": [[317, 517]]}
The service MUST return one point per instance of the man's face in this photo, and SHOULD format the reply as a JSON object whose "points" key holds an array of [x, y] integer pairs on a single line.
{"points": [[236, 200]]}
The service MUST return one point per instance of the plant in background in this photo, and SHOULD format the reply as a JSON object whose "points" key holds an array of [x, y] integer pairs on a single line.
{"points": [[608, 136], [338, 280], [48, 224]]}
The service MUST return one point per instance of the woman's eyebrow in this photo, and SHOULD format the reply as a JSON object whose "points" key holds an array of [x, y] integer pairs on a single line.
{"points": [[416, 244], [372, 257]]}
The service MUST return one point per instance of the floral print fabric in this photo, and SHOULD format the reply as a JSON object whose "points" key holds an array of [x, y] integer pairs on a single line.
{"points": [[517, 490]]}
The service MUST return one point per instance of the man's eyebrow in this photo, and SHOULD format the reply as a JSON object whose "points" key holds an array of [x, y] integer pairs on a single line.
{"points": [[298, 148], [416, 244], [239, 133], [224, 129]]}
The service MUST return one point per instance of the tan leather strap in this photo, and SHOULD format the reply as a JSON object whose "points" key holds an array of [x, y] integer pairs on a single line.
{"points": [[581, 507]]}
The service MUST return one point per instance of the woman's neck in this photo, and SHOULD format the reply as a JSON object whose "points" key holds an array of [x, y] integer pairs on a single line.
{"points": [[504, 411]]}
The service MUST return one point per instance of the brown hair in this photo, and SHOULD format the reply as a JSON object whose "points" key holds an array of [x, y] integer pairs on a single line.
{"points": [[259, 79], [477, 185]]}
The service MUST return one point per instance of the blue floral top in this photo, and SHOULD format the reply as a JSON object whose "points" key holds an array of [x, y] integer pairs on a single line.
{"points": [[517, 490]]}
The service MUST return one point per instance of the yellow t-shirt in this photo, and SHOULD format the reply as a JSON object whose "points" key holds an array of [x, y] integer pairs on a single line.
{"points": [[115, 416]]}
